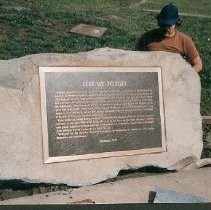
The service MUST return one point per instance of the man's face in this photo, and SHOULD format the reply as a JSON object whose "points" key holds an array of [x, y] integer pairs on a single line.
{"points": [[168, 30]]}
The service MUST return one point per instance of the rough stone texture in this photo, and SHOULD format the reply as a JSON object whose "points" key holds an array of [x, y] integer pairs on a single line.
{"points": [[197, 183], [21, 155]]}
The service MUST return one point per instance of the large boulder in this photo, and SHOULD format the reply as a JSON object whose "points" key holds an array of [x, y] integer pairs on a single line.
{"points": [[21, 152]]}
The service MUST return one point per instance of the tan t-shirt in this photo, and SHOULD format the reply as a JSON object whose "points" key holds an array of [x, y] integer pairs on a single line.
{"points": [[180, 43]]}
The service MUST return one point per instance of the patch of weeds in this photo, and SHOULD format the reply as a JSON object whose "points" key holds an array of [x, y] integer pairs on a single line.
{"points": [[206, 153], [205, 98], [32, 36], [187, 6], [206, 131]]}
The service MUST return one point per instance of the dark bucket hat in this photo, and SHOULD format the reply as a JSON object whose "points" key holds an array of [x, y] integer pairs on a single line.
{"points": [[168, 15]]}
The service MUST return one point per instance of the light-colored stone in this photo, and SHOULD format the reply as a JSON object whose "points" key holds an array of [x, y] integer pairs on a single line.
{"points": [[134, 190], [203, 162], [21, 155], [89, 30]]}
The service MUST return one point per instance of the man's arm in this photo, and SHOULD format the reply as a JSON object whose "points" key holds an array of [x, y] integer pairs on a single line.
{"points": [[197, 64], [192, 54]]}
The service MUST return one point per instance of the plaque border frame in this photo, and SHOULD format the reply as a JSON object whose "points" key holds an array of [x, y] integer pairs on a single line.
{"points": [[48, 159]]}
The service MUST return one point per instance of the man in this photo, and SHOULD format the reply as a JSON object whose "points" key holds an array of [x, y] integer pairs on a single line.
{"points": [[168, 38]]}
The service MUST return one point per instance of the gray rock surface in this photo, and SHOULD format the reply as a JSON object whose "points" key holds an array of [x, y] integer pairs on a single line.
{"points": [[21, 155], [135, 190]]}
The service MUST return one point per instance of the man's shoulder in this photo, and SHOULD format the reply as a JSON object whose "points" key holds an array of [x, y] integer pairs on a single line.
{"points": [[183, 36]]}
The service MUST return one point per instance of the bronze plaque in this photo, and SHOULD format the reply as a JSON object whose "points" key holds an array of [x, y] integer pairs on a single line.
{"points": [[95, 112]]}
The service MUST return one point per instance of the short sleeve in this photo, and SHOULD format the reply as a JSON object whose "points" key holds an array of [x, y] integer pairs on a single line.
{"points": [[190, 49]]}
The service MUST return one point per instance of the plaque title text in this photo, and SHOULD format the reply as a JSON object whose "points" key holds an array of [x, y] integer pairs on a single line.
{"points": [[104, 83]]}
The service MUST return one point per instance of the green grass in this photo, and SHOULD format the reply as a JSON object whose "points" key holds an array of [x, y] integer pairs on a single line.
{"points": [[185, 6], [44, 26]]}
